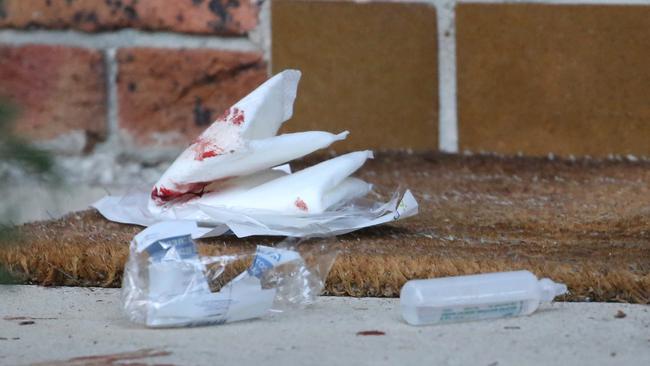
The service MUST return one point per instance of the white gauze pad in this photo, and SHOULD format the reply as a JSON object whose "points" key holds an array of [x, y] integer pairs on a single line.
{"points": [[241, 142], [309, 191]]}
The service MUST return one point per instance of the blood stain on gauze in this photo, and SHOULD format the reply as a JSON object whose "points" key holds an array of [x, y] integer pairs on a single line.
{"points": [[302, 206], [235, 116], [224, 135], [161, 194], [204, 149]]}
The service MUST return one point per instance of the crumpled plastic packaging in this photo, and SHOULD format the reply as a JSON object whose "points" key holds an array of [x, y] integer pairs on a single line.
{"points": [[167, 283], [232, 178]]}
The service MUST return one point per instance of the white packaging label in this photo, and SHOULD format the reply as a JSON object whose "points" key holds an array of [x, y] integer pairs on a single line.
{"points": [[454, 314]]}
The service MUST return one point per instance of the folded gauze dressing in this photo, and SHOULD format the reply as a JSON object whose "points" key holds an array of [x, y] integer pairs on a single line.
{"points": [[233, 178], [230, 163], [312, 190]]}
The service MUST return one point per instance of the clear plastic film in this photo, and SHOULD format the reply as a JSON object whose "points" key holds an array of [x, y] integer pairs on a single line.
{"points": [[167, 283], [215, 221]]}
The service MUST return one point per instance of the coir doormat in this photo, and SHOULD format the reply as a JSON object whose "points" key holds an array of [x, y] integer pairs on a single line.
{"points": [[585, 223]]}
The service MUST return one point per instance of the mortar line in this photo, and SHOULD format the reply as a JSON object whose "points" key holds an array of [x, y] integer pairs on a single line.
{"points": [[125, 38], [447, 76], [112, 104], [261, 35]]}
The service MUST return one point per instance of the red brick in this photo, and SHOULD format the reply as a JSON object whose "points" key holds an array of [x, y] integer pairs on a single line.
{"points": [[56, 89], [225, 17], [178, 93]]}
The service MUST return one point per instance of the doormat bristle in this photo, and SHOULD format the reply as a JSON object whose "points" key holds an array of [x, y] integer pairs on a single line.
{"points": [[584, 223]]}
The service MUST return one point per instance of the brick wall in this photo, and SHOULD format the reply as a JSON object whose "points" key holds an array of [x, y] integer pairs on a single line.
{"points": [[537, 77], [547, 78], [135, 74], [534, 77]]}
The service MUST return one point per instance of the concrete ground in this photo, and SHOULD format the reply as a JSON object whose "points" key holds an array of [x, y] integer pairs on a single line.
{"points": [[64, 326]]}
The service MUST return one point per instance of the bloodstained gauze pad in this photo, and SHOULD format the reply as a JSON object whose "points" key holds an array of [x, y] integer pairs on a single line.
{"points": [[241, 142], [230, 179]]}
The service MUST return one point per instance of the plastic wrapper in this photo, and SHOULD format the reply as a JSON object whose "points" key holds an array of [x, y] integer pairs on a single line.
{"points": [[215, 221], [167, 283], [233, 178]]}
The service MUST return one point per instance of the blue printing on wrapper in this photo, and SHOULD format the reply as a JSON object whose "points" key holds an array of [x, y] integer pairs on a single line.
{"points": [[259, 266], [184, 246]]}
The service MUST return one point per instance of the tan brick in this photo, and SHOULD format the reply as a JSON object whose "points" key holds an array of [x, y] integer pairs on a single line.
{"points": [[567, 79], [56, 89], [170, 96], [192, 16], [367, 67]]}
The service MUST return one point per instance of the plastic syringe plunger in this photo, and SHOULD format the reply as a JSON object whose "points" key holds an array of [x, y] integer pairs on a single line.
{"points": [[475, 297]]}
